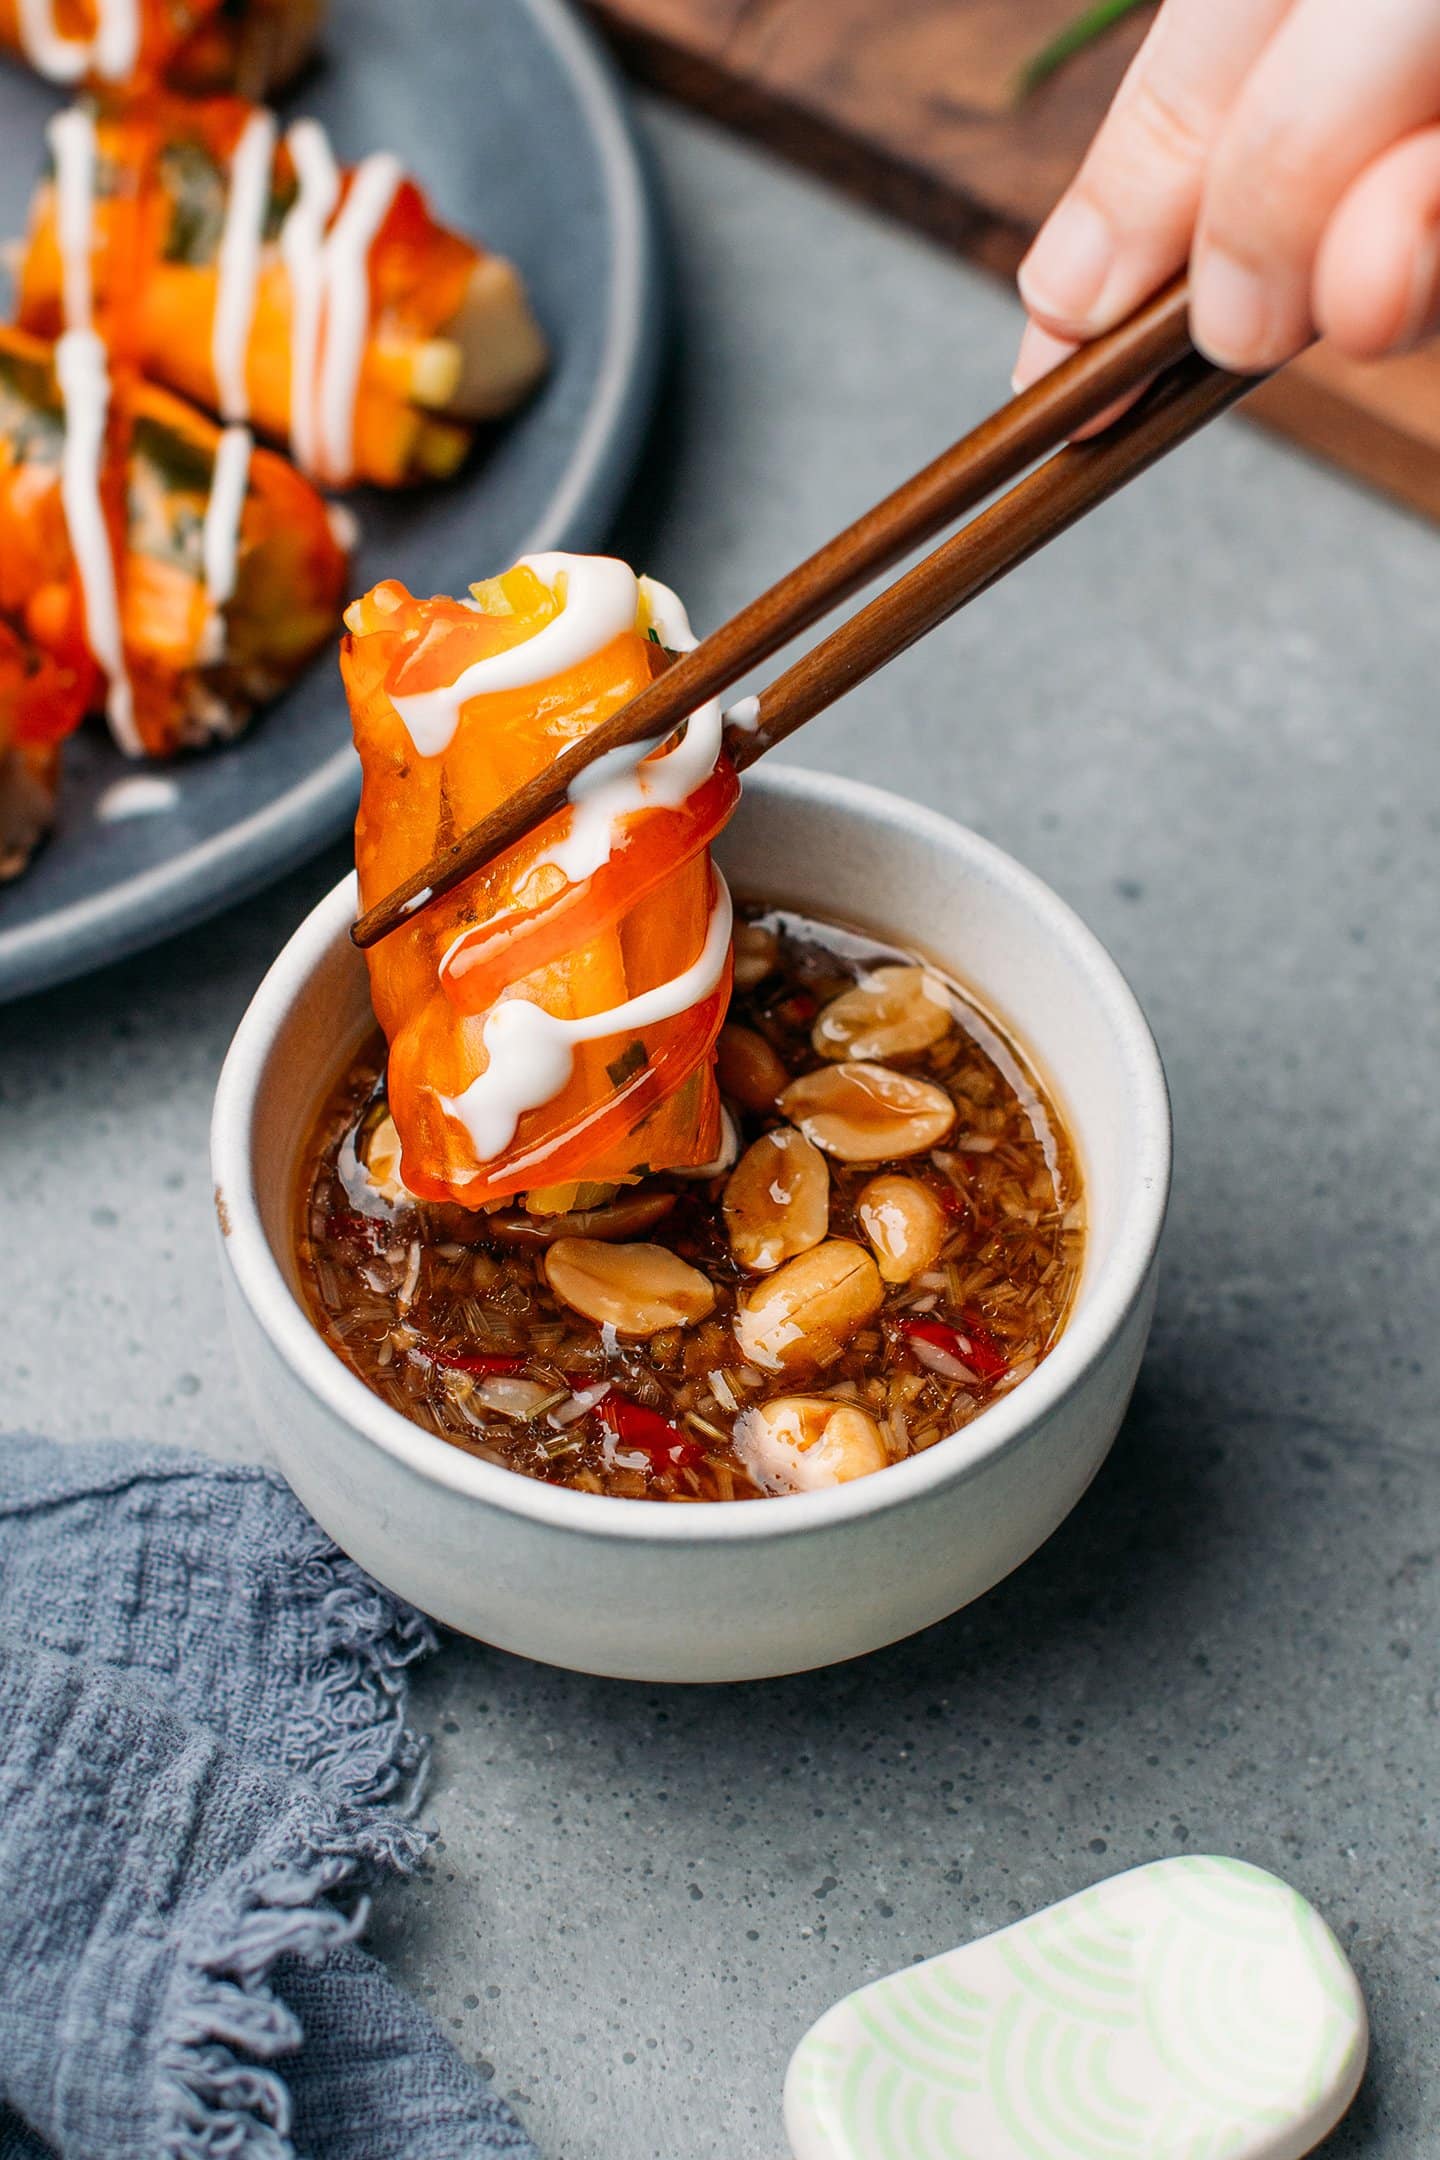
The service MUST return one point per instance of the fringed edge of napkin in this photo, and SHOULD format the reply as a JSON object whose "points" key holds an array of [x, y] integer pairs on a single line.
{"points": [[221, 2000]]}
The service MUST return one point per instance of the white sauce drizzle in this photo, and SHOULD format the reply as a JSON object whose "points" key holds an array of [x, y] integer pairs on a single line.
{"points": [[367, 203], [110, 52], [238, 262], [637, 778], [220, 538], [137, 795], [668, 617], [598, 604], [532, 1053], [83, 376], [329, 274], [85, 387], [744, 714], [73, 145], [302, 250]]}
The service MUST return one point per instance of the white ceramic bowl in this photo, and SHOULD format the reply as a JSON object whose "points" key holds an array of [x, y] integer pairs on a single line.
{"points": [[770, 1586]]}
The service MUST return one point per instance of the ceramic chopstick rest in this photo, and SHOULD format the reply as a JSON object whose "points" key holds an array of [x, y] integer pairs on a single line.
{"points": [[1194, 2009]]}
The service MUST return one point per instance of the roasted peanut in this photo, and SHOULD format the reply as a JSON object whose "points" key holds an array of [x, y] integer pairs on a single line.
{"points": [[757, 953], [378, 1152], [748, 1070], [777, 1202], [890, 1012], [904, 1222], [802, 1315], [798, 1443], [866, 1113], [636, 1289]]}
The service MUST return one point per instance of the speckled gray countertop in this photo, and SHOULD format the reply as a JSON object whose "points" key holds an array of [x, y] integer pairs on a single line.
{"points": [[1210, 719]]}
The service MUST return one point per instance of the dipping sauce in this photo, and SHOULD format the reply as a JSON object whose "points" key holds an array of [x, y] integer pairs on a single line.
{"points": [[893, 1243]]}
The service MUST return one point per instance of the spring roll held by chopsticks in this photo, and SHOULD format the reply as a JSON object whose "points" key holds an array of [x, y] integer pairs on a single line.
{"points": [[193, 45], [325, 307], [552, 1021]]}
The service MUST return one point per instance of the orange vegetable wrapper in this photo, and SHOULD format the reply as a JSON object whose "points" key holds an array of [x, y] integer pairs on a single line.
{"points": [[194, 45], [504, 1076], [237, 263], [193, 658]]}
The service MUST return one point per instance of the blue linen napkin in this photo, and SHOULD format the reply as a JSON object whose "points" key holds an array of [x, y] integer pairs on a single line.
{"points": [[204, 1765]]}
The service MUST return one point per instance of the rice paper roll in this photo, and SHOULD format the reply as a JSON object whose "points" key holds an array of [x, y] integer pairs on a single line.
{"points": [[197, 46], [640, 936], [240, 266], [221, 596]]}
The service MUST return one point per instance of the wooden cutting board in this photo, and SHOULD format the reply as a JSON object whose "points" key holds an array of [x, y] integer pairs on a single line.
{"points": [[912, 104]]}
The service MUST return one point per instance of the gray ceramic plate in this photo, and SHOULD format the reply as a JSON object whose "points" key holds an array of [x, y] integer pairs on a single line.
{"points": [[515, 125]]}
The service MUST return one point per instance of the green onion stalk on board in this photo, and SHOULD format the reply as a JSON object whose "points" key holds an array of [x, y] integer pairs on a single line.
{"points": [[1073, 39]]}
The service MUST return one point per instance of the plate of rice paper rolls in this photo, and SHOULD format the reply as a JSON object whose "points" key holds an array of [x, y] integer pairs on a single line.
{"points": [[289, 295]]}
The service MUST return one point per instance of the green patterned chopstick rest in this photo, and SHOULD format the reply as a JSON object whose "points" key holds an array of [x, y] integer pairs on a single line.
{"points": [[1194, 2009]]}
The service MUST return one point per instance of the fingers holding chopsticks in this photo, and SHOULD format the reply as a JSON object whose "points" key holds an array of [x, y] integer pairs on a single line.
{"points": [[1285, 147], [1127, 220], [1377, 276]]}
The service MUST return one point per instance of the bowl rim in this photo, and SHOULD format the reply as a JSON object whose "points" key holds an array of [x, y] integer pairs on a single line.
{"points": [[1109, 1298]]}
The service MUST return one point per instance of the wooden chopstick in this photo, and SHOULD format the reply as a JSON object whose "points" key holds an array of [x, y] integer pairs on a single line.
{"points": [[1040, 507], [1034, 422]]}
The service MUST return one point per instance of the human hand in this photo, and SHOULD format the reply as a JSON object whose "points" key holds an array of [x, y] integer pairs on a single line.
{"points": [[1290, 149]]}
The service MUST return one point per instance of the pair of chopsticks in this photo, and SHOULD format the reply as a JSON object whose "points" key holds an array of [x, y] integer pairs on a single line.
{"points": [[1152, 343]]}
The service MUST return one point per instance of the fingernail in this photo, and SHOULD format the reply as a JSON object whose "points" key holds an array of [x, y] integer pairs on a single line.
{"points": [[1424, 291], [1038, 353], [1062, 276], [1229, 310]]}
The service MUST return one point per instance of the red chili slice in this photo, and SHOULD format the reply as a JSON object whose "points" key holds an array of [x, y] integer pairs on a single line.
{"points": [[985, 1354], [636, 1426], [484, 1364], [974, 1347]]}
